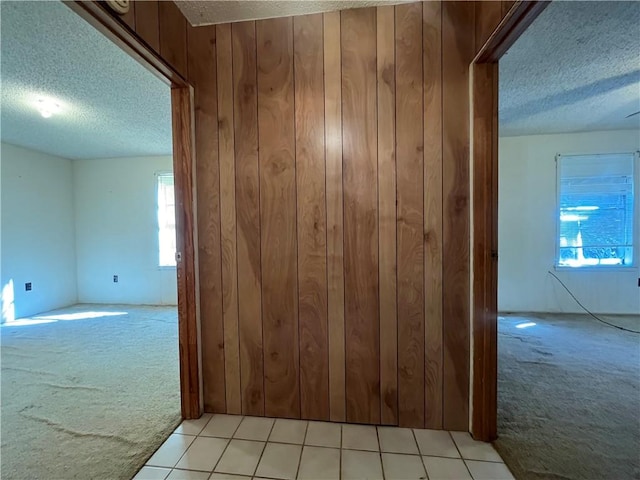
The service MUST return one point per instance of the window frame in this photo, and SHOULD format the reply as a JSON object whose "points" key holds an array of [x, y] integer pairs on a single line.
{"points": [[635, 221], [156, 177]]}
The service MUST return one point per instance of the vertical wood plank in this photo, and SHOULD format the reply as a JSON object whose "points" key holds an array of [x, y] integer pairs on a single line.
{"points": [[226, 145], [276, 127], [410, 138], [488, 15], [362, 327], [202, 70], [506, 6], [181, 122], [248, 216], [311, 203], [173, 36], [147, 23], [335, 224], [387, 214], [432, 68], [457, 45], [129, 18]]}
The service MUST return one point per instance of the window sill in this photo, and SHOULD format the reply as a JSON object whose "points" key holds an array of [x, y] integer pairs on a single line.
{"points": [[603, 268]]}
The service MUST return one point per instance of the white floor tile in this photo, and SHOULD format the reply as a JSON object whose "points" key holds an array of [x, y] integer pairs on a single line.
{"points": [[446, 468], [223, 426], [240, 458], [152, 473], [436, 442], [187, 475], [402, 467], [171, 451], [193, 427], [488, 470], [227, 476], [323, 434], [203, 454], [397, 440], [319, 463], [360, 437], [279, 461], [288, 431], [254, 428], [471, 449], [357, 465]]}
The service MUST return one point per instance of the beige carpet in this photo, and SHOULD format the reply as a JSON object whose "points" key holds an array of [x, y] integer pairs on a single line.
{"points": [[89, 393], [569, 397]]}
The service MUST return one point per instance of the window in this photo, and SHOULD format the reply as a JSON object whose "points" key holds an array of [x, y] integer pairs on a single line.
{"points": [[596, 210], [166, 221]]}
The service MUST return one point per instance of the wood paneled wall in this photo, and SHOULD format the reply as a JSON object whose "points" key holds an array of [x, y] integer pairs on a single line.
{"points": [[343, 160], [333, 208]]}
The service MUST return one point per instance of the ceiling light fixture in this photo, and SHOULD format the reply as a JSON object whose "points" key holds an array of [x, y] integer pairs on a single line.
{"points": [[48, 107]]}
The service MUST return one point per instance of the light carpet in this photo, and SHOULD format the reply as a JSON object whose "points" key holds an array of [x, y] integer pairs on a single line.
{"points": [[569, 397], [89, 393]]}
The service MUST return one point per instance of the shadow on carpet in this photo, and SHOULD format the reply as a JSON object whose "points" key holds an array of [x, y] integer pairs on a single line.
{"points": [[569, 397], [88, 391]]}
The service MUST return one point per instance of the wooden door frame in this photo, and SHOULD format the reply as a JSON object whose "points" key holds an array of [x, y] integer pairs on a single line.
{"points": [[182, 113], [484, 168]]}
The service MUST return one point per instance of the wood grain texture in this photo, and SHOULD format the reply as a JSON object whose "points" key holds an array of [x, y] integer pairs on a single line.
{"points": [[485, 166], [386, 78], [181, 115], [129, 18], [202, 71], [506, 6], [173, 36], [226, 147], [410, 138], [312, 222], [362, 328], [147, 23], [276, 127], [432, 76], [335, 215], [248, 217], [457, 45], [488, 15]]}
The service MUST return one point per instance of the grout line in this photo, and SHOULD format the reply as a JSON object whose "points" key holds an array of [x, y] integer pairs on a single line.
{"points": [[302, 449], [340, 459], [380, 449], [460, 452], [227, 445]]}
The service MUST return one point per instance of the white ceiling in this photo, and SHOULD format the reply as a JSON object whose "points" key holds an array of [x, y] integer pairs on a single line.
{"points": [[112, 106], [200, 12], [576, 68]]}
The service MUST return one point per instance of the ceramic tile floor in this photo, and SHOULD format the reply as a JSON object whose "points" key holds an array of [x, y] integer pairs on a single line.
{"points": [[234, 447]]}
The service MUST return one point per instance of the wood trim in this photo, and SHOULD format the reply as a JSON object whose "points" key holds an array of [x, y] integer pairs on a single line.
{"points": [[485, 162], [182, 125], [514, 23], [98, 16], [484, 121]]}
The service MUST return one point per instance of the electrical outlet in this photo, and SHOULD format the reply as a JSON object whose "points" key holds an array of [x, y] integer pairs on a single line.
{"points": [[27, 286], [115, 279]]}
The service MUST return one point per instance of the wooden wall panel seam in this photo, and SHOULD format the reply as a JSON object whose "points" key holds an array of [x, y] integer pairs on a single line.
{"points": [[332, 66], [224, 55], [387, 231]]}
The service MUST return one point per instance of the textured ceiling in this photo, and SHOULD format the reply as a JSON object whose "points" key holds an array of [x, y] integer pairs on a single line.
{"points": [[577, 68], [111, 105], [222, 11]]}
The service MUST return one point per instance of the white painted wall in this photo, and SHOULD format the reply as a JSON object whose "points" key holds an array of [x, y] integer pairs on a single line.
{"points": [[38, 233], [527, 229], [117, 232]]}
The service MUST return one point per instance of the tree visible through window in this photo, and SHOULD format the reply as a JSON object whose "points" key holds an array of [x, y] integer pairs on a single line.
{"points": [[166, 221], [596, 210]]}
